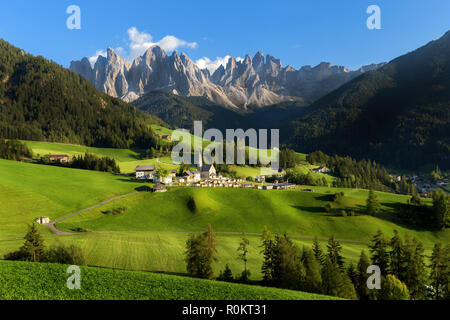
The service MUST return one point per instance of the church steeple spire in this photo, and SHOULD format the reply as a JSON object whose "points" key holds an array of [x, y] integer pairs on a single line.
{"points": [[200, 161]]}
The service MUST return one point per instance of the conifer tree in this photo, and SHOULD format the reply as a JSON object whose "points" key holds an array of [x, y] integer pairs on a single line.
{"points": [[439, 270], [379, 252], [397, 256], [243, 249], [268, 256], [33, 248], [361, 286], [317, 249], [313, 278], [226, 275], [373, 206], [334, 253]]}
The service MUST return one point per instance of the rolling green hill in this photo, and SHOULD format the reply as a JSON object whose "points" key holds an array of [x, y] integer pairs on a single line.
{"points": [[241, 210], [40, 100], [37, 281], [28, 191], [151, 234], [398, 115]]}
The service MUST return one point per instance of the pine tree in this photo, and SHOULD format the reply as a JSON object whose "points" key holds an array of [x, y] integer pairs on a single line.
{"points": [[33, 249], [334, 253], [352, 274], [317, 249], [439, 270], [313, 278], [373, 206], [441, 209], [268, 246], [335, 282], [243, 248], [287, 267], [361, 286], [397, 256], [201, 253], [416, 273], [379, 251], [226, 275]]}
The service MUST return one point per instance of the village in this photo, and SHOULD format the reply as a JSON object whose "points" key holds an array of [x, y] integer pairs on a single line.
{"points": [[205, 176]]}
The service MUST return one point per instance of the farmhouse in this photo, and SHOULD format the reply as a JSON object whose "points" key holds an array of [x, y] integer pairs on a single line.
{"points": [[284, 186], [173, 173], [260, 179], [43, 220], [158, 179], [279, 186], [159, 187], [192, 176], [63, 158], [145, 172], [321, 170]]}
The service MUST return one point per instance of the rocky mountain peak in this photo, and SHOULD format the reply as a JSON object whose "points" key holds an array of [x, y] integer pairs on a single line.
{"points": [[259, 81]]}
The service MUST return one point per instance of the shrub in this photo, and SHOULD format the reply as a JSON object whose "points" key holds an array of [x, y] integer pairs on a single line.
{"points": [[71, 254], [191, 204], [226, 275]]}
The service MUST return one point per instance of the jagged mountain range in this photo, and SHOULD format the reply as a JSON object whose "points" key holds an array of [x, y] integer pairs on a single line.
{"points": [[260, 81]]}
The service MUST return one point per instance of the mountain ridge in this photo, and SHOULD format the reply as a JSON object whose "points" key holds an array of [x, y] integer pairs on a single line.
{"points": [[258, 81], [398, 115]]}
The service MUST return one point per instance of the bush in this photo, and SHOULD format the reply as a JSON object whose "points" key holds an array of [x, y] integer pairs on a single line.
{"points": [[191, 204], [343, 213], [226, 275], [71, 254], [112, 212], [393, 289]]}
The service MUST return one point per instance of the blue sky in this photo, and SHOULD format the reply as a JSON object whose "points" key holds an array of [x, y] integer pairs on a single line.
{"points": [[298, 32]]}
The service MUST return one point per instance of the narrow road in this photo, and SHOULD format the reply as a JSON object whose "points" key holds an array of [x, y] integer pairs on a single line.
{"points": [[52, 227]]}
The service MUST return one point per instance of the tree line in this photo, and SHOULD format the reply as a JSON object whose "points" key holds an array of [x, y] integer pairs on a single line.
{"points": [[363, 174], [418, 214], [405, 273], [14, 150], [87, 162]]}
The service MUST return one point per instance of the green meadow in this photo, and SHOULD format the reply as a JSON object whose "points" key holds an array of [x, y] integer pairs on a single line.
{"points": [[150, 235], [37, 281], [29, 191], [296, 212]]}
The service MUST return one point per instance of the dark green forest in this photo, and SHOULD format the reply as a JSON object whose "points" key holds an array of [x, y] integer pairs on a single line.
{"points": [[398, 115], [40, 100]]}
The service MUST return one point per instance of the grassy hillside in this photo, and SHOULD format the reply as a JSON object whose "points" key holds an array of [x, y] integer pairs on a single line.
{"points": [[151, 234], [164, 251], [242, 210], [34, 281], [28, 191]]}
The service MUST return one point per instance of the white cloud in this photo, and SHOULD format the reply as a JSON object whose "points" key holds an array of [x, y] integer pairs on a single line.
{"points": [[94, 58], [206, 63], [139, 42]]}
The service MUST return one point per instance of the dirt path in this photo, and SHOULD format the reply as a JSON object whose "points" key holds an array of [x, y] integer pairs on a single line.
{"points": [[53, 228]]}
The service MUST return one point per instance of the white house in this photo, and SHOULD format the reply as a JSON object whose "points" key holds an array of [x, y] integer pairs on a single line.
{"points": [[192, 176], [166, 180], [43, 220], [145, 172]]}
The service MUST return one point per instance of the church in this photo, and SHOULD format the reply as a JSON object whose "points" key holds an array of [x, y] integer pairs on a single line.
{"points": [[207, 171]]}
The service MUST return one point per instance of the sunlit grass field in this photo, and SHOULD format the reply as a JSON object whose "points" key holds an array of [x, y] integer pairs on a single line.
{"points": [[37, 281]]}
